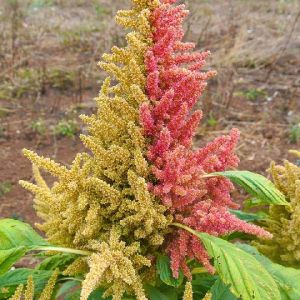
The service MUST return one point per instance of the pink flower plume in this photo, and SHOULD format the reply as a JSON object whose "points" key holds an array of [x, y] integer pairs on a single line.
{"points": [[174, 84]]}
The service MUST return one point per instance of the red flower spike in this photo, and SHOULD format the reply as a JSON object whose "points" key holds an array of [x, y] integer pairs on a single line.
{"points": [[146, 119], [174, 85]]}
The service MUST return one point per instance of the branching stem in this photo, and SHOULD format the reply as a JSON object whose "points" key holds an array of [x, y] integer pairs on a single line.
{"points": [[190, 230], [64, 250], [199, 270]]}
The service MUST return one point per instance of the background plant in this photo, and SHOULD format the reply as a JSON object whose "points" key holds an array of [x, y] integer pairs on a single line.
{"points": [[283, 221]]}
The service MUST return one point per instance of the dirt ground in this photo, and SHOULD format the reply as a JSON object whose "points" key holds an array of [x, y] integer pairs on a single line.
{"points": [[49, 76]]}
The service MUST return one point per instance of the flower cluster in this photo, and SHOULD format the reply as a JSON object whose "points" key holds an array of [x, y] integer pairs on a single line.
{"points": [[106, 189], [174, 84], [284, 221], [119, 200], [28, 293]]}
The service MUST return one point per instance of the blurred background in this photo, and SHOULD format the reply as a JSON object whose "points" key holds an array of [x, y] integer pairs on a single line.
{"points": [[49, 76]]}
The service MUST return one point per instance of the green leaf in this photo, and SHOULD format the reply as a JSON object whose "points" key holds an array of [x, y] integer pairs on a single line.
{"points": [[287, 279], [221, 291], [256, 185], [247, 278], [155, 294], [74, 295], [14, 233], [170, 291], [98, 294], [202, 283], [238, 236], [9, 257], [247, 217], [252, 202], [58, 261], [16, 238], [12, 279], [165, 273], [67, 289]]}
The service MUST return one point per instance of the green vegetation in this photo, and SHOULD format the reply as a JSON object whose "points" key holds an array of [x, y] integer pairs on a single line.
{"points": [[253, 94], [38, 4], [61, 79], [30, 82], [66, 128], [212, 121], [100, 10], [25, 82], [39, 126], [294, 134], [5, 187]]}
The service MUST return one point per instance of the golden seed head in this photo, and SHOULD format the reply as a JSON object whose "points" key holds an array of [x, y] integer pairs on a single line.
{"points": [[284, 221], [101, 203]]}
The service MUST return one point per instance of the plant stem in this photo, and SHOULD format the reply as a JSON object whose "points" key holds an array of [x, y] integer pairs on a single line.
{"points": [[211, 175], [64, 250], [70, 278], [190, 230], [208, 176], [199, 270]]}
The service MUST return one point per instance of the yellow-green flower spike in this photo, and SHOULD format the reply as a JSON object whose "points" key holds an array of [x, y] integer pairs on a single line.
{"points": [[29, 293], [284, 221], [18, 293], [101, 203], [188, 292], [48, 290]]}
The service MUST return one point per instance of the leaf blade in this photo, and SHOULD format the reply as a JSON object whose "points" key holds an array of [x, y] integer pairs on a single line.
{"points": [[154, 293], [14, 233], [165, 273], [57, 261], [245, 275], [256, 185], [16, 238], [247, 217], [286, 278], [220, 291], [9, 257]]}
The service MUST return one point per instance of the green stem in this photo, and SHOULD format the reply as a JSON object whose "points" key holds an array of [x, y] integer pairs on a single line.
{"points": [[199, 270], [70, 278], [211, 175], [64, 250], [190, 230], [207, 176]]}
